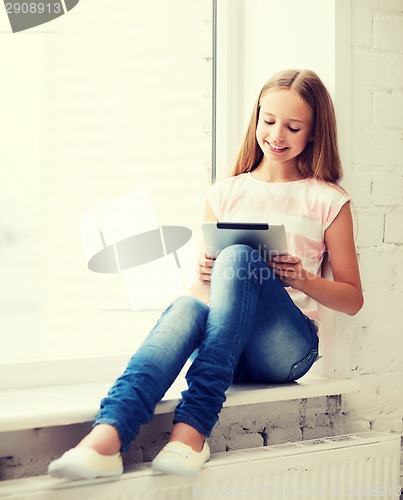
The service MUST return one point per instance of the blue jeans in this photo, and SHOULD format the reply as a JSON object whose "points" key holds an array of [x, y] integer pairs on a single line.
{"points": [[251, 332]]}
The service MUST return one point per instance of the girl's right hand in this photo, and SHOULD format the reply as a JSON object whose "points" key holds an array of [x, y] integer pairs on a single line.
{"points": [[205, 268]]}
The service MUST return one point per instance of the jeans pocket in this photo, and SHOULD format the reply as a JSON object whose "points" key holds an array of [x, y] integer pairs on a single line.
{"points": [[301, 368]]}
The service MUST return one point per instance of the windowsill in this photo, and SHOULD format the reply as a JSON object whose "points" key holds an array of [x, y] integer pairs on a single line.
{"points": [[72, 404]]}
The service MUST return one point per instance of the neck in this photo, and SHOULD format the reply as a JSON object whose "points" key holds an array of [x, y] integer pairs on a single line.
{"points": [[277, 172]]}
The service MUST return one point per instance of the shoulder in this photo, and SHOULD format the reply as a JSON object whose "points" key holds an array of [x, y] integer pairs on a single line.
{"points": [[327, 190], [233, 181], [331, 198], [229, 184]]}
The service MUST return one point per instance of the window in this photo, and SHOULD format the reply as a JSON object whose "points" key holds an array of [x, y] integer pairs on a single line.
{"points": [[118, 99], [104, 101]]}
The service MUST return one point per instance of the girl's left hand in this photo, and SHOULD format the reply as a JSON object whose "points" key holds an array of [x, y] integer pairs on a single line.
{"points": [[289, 269]]}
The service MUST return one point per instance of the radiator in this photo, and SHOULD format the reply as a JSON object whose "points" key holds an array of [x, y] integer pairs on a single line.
{"points": [[364, 465]]}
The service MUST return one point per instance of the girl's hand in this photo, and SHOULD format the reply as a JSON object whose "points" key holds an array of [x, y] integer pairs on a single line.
{"points": [[289, 269], [205, 267]]}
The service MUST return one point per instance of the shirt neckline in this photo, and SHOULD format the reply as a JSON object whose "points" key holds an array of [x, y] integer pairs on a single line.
{"points": [[279, 183]]}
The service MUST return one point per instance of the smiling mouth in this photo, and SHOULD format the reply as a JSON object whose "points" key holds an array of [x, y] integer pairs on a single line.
{"points": [[277, 149]]}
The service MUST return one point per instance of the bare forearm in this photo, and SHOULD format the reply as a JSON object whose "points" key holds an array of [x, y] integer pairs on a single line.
{"points": [[201, 290], [339, 296]]}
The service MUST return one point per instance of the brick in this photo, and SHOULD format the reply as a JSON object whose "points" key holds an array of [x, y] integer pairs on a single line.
{"points": [[284, 434], [400, 263], [377, 70], [391, 390], [362, 108], [364, 404], [243, 441], [382, 310], [371, 355], [379, 5], [217, 442], [314, 406], [256, 417], [361, 31], [388, 33], [385, 423], [387, 189], [379, 267], [369, 228], [394, 227], [355, 423], [316, 432], [388, 110], [359, 188], [377, 147]]}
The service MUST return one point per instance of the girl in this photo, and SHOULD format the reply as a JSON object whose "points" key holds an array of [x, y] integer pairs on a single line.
{"points": [[257, 322]]}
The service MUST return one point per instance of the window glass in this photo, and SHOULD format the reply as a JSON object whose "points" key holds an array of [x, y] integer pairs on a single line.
{"points": [[107, 100]]}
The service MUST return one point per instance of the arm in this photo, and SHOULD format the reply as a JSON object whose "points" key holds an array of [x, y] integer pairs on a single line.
{"points": [[344, 293], [201, 289]]}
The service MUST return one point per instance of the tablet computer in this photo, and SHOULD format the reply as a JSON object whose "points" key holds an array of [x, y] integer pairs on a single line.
{"points": [[268, 239]]}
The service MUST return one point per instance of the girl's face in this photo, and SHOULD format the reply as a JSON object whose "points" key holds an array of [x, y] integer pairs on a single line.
{"points": [[284, 127]]}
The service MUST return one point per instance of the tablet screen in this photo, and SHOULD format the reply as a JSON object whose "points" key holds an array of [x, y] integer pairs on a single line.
{"points": [[268, 239]]}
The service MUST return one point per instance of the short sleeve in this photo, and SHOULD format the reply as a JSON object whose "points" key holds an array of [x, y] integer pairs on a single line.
{"points": [[339, 199]]}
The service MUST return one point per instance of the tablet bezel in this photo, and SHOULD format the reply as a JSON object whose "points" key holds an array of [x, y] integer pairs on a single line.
{"points": [[268, 239]]}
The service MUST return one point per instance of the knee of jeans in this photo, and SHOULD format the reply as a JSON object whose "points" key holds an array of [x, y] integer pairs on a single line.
{"points": [[189, 304], [235, 254]]}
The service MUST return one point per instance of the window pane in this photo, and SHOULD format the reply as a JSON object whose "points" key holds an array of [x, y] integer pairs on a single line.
{"points": [[112, 101]]}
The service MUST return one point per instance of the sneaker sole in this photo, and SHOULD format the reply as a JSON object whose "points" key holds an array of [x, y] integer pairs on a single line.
{"points": [[76, 472]]}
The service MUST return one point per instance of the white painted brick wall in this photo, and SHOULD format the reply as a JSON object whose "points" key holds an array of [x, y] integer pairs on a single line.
{"points": [[362, 108], [362, 33], [377, 190], [377, 69], [370, 228], [387, 189], [383, 6], [386, 109], [387, 32], [394, 227]]}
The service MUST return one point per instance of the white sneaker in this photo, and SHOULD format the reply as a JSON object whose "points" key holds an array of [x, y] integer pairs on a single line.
{"points": [[179, 458], [85, 463]]}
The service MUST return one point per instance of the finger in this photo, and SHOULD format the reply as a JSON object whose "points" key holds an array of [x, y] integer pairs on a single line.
{"points": [[289, 274], [206, 277], [205, 270], [290, 259], [206, 262]]}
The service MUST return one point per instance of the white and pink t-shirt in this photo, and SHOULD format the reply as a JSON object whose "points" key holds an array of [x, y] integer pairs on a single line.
{"points": [[305, 207]]}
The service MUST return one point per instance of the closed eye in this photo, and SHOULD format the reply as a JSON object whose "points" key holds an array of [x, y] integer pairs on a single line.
{"points": [[293, 130]]}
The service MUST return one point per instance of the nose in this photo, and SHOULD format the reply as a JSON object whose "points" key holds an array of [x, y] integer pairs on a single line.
{"points": [[277, 133]]}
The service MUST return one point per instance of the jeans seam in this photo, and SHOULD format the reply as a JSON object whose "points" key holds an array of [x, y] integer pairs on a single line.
{"points": [[306, 360]]}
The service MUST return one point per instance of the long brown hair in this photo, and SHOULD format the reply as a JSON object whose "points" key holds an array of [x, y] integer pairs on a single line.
{"points": [[320, 158]]}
